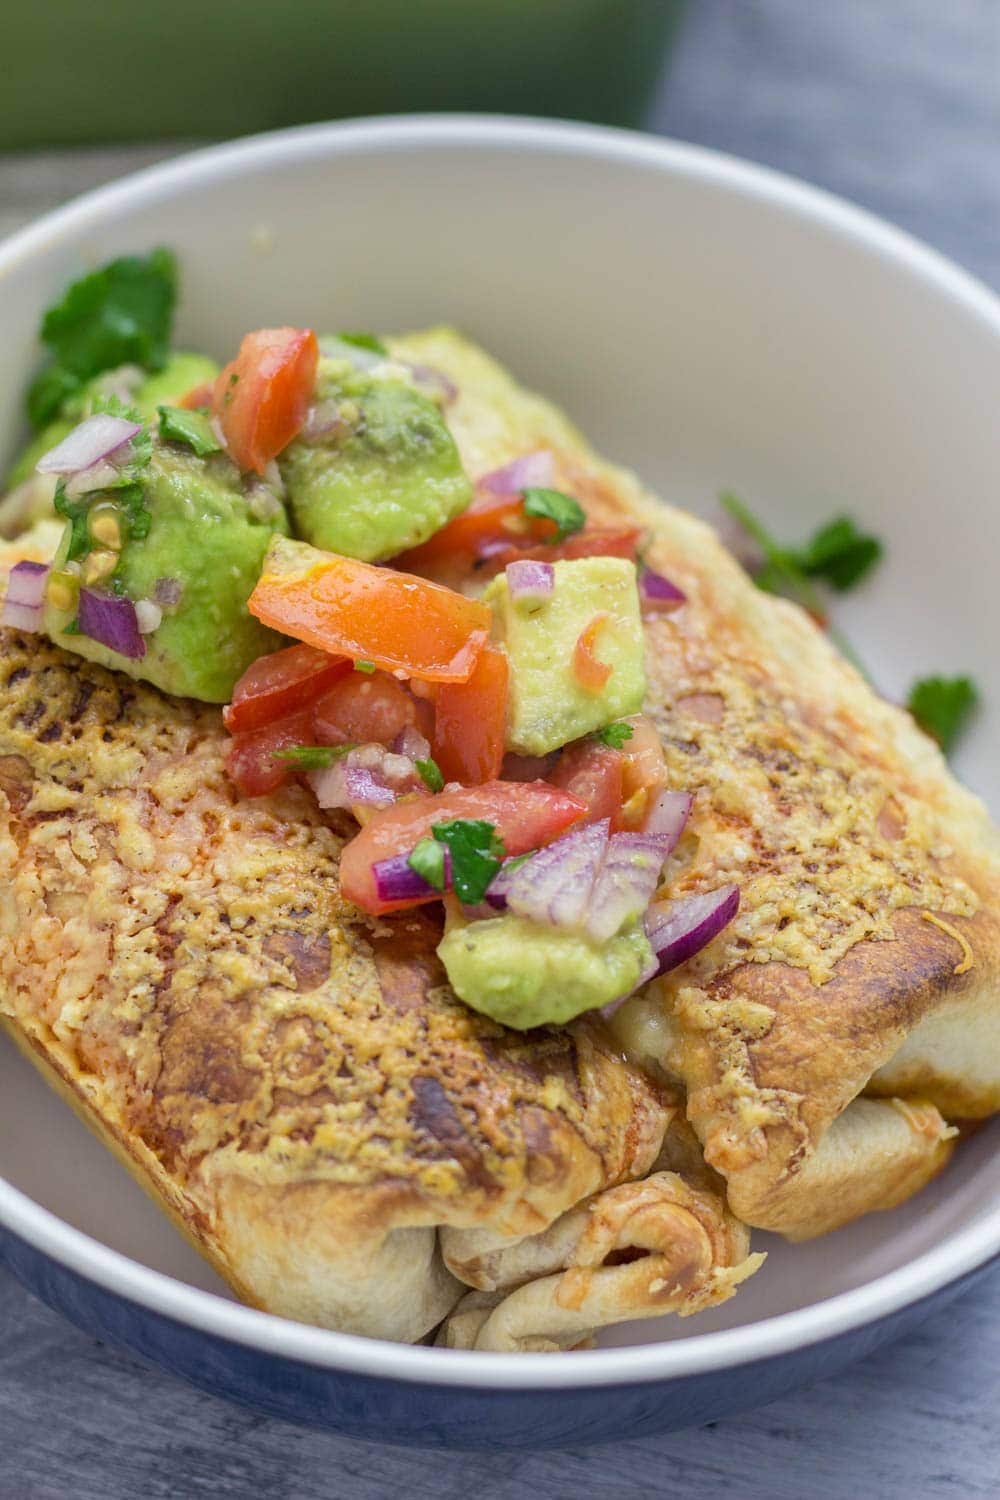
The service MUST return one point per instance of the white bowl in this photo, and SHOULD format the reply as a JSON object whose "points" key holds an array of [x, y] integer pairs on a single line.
{"points": [[710, 324]]}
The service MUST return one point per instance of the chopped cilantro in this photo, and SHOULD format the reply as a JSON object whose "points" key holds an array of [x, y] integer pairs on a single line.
{"points": [[782, 570], [942, 706], [614, 735], [476, 854], [840, 554], [119, 314], [553, 505], [510, 865], [73, 628], [74, 511], [312, 757], [178, 425], [369, 341], [429, 860], [430, 774], [364, 666]]}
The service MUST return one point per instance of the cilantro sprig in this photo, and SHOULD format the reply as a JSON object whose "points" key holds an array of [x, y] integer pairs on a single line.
{"points": [[613, 735], [369, 341], [476, 853], [553, 505], [943, 706], [179, 425], [119, 314]]}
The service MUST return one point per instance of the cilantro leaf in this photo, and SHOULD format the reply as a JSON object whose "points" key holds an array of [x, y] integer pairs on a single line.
{"points": [[74, 511], [430, 774], [476, 854], [364, 666], [369, 341], [613, 735], [553, 505], [312, 757], [430, 862], [781, 572], [942, 706], [119, 314], [179, 425], [840, 554]]}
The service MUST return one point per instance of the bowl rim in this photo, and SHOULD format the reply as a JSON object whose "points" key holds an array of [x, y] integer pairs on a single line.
{"points": [[957, 1255]]}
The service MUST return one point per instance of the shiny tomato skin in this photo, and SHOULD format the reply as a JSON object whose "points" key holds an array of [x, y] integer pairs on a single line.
{"points": [[250, 759], [525, 814], [470, 722], [594, 773], [277, 684], [644, 773], [262, 396], [365, 708], [596, 541]]}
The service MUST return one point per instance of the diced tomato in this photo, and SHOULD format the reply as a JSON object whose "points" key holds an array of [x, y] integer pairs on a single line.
{"points": [[262, 396], [526, 767], [525, 814], [198, 396], [618, 541], [364, 709], [644, 774], [471, 721], [250, 758], [277, 684], [594, 773], [396, 620], [588, 669], [490, 519]]}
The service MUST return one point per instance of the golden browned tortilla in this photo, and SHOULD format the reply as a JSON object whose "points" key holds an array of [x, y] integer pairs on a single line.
{"points": [[866, 956], [296, 1083]]}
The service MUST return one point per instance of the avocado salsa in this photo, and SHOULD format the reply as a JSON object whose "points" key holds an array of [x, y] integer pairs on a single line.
{"points": [[453, 659]]}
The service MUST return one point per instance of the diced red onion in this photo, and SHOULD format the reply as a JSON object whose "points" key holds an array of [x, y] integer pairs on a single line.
{"points": [[668, 818], [396, 881], [411, 743], [94, 439], [658, 593], [554, 885], [678, 929], [25, 597], [434, 379], [530, 582], [530, 471], [111, 620], [167, 593], [344, 785], [148, 616], [322, 419], [633, 863]]}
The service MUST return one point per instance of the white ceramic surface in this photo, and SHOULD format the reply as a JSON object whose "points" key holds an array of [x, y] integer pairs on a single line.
{"points": [[711, 324]]}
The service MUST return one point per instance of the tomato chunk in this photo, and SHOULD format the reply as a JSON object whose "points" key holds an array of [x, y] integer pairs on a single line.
{"points": [[594, 773], [490, 521], [644, 774], [250, 759], [363, 709], [618, 541], [261, 398], [396, 620], [588, 669], [471, 721], [525, 814], [198, 396], [277, 684]]}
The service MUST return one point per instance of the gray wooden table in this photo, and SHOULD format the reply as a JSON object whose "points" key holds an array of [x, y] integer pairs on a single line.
{"points": [[895, 103]]}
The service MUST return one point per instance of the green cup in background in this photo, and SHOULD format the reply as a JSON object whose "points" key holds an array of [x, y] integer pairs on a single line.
{"points": [[86, 71]]}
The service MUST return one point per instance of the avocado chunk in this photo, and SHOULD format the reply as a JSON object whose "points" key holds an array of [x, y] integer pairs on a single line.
{"points": [[523, 974], [145, 393], [548, 706], [202, 530], [384, 476]]}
